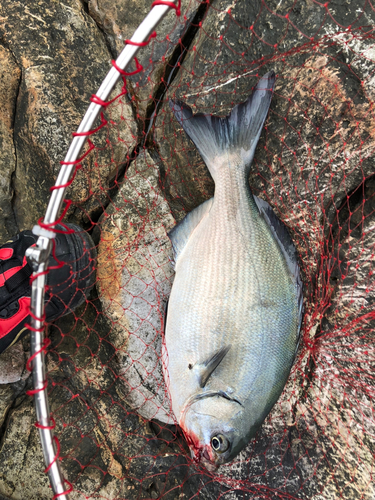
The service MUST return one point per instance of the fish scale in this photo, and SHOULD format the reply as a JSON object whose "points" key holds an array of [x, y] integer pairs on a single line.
{"points": [[204, 256], [235, 308]]}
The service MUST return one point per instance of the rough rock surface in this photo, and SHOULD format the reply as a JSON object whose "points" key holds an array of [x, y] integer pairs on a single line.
{"points": [[9, 83], [134, 280], [57, 58], [21, 459], [228, 73], [120, 20], [12, 364]]}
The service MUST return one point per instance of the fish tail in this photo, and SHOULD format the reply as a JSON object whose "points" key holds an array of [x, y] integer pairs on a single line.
{"points": [[237, 134]]}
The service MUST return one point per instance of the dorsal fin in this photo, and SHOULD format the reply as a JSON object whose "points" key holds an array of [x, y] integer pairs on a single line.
{"points": [[181, 233], [205, 369], [282, 236]]}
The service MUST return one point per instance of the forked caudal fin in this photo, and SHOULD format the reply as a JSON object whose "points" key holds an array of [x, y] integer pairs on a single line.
{"points": [[237, 134]]}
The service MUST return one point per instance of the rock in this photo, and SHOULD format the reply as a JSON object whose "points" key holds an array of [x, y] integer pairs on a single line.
{"points": [[9, 84], [103, 168], [119, 22], [12, 364], [21, 459], [63, 59], [6, 400], [134, 280]]}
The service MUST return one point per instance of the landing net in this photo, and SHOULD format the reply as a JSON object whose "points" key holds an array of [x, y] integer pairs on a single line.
{"points": [[314, 165]]}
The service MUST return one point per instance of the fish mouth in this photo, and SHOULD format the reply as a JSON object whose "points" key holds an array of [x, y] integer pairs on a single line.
{"points": [[201, 456], [199, 453]]}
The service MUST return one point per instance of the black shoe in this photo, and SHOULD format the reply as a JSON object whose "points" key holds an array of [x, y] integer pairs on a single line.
{"points": [[67, 287]]}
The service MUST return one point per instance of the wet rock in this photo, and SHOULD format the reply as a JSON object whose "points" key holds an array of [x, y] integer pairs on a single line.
{"points": [[134, 280]]}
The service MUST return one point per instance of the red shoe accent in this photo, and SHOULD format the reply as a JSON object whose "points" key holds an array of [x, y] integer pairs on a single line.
{"points": [[8, 274], [6, 253], [7, 325]]}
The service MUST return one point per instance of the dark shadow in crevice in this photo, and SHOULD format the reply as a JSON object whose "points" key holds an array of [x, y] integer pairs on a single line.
{"points": [[359, 202], [106, 38], [347, 225], [172, 67]]}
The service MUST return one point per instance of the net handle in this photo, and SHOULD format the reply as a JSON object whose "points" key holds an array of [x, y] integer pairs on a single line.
{"points": [[38, 255]]}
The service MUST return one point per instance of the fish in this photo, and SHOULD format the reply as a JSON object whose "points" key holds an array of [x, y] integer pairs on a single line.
{"points": [[235, 310]]}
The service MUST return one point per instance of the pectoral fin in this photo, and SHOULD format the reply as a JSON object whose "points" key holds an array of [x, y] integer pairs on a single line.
{"points": [[206, 368]]}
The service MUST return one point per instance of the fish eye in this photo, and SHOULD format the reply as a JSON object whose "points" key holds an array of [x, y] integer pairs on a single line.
{"points": [[219, 443]]}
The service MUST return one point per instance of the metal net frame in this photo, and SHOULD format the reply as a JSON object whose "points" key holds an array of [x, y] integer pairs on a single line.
{"points": [[39, 254]]}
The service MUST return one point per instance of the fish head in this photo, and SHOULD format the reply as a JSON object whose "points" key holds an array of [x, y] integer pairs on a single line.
{"points": [[215, 429]]}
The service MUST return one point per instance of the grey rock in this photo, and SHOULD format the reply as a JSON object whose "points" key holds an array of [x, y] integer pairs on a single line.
{"points": [[21, 459], [9, 83], [119, 21], [6, 400], [12, 364], [135, 274], [63, 58]]}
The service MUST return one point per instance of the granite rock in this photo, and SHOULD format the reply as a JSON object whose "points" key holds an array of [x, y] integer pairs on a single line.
{"points": [[135, 273], [9, 84], [119, 20], [21, 459], [59, 58], [12, 364]]}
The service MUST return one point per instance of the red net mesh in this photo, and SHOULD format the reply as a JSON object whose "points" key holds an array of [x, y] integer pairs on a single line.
{"points": [[314, 165]]}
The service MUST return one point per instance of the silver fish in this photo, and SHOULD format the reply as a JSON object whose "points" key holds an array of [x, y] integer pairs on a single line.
{"points": [[235, 309]]}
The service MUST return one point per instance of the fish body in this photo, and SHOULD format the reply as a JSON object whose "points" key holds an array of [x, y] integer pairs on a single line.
{"points": [[235, 309]]}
